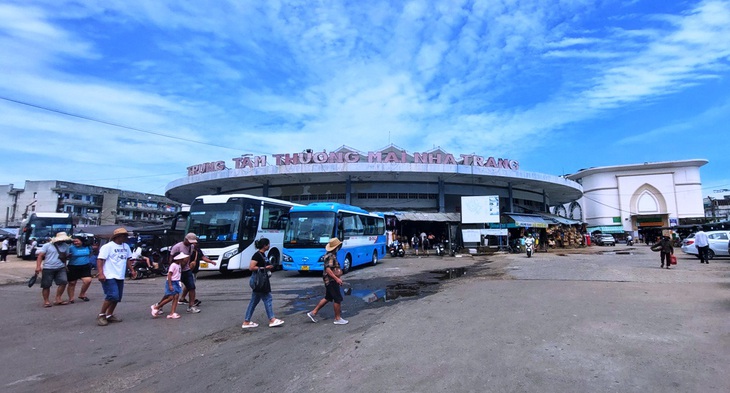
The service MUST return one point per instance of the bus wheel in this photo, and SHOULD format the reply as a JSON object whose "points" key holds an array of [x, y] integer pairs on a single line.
{"points": [[374, 261], [347, 264], [273, 259]]}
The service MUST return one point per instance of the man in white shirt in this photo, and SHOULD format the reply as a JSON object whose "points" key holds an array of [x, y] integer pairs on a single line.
{"points": [[703, 245], [114, 259], [4, 250]]}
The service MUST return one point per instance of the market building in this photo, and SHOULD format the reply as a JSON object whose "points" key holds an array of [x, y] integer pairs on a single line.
{"points": [[419, 191], [640, 199], [89, 205]]}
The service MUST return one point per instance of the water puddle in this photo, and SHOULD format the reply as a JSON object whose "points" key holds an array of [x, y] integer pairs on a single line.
{"points": [[448, 274], [615, 253]]}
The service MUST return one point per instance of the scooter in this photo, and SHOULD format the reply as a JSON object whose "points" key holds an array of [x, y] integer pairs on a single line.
{"points": [[439, 248], [144, 271], [528, 249], [630, 241], [396, 249]]}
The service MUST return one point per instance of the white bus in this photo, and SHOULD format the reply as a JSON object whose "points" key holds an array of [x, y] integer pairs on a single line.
{"points": [[227, 226], [41, 227]]}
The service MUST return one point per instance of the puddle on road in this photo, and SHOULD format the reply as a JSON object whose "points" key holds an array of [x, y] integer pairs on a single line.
{"points": [[425, 284], [615, 253], [448, 274]]}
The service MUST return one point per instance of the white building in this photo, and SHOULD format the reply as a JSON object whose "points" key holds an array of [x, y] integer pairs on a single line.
{"points": [[629, 198]]}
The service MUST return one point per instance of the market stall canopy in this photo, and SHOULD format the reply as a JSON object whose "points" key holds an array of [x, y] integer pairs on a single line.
{"points": [[424, 216], [559, 220], [607, 229], [102, 231], [12, 232], [529, 221]]}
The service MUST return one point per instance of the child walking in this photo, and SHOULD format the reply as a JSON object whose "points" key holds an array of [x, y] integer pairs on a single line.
{"points": [[172, 288]]}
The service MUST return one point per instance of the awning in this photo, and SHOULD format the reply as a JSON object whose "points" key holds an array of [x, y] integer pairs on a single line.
{"points": [[529, 221], [607, 229], [435, 217], [558, 219]]}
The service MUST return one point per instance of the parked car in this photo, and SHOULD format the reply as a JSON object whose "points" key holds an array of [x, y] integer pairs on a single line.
{"points": [[719, 241], [605, 239]]}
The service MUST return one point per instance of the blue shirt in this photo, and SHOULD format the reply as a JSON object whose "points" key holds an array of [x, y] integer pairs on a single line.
{"points": [[79, 256]]}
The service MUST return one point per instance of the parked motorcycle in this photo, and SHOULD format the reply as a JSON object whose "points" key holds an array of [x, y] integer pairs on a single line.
{"points": [[143, 270], [396, 249], [440, 249]]}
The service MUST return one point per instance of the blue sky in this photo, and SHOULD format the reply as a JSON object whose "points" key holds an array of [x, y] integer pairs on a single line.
{"points": [[557, 85]]}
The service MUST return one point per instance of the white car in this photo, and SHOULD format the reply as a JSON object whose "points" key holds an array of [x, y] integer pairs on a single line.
{"points": [[718, 244]]}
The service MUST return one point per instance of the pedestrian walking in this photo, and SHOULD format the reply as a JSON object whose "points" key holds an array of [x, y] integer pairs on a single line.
{"points": [[51, 260], [414, 243], [258, 265], [4, 248], [187, 246], [332, 283], [703, 245], [114, 259], [172, 289], [195, 258], [79, 269], [664, 246]]}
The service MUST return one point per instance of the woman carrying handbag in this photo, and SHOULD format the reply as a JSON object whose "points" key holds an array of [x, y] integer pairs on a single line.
{"points": [[260, 286]]}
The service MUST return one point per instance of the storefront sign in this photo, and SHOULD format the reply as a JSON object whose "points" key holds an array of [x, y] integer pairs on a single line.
{"points": [[391, 157]]}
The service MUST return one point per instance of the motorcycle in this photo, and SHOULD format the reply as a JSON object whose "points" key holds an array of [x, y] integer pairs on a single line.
{"points": [[396, 249], [630, 241], [528, 248], [144, 271], [440, 249]]}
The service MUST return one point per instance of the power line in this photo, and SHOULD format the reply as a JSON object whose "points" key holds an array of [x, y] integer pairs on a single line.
{"points": [[114, 124]]}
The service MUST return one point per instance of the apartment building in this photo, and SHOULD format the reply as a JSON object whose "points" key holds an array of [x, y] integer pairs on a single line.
{"points": [[90, 205]]}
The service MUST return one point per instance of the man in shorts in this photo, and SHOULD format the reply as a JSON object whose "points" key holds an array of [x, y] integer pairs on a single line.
{"points": [[195, 259], [51, 260], [187, 246], [332, 283], [114, 259]]}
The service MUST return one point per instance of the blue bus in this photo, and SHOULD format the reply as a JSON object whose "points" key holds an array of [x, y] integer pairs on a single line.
{"points": [[311, 227]]}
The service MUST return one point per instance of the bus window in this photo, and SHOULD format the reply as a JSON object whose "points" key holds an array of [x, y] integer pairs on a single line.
{"points": [[274, 217], [352, 225]]}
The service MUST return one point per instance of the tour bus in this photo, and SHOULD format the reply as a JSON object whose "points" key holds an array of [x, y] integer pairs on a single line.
{"points": [[228, 225], [41, 227], [311, 227]]}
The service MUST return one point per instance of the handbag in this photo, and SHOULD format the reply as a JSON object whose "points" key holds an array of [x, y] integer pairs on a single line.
{"points": [[672, 259], [32, 280], [259, 281]]}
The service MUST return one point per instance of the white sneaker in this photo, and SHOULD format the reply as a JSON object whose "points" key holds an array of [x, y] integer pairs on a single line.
{"points": [[277, 322], [341, 321], [193, 310]]}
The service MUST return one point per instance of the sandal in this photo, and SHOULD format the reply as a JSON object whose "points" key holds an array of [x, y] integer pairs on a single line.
{"points": [[46, 305], [71, 301], [84, 298], [63, 303], [249, 325]]}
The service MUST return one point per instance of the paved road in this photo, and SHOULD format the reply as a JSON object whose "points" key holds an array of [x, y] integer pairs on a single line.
{"points": [[557, 322]]}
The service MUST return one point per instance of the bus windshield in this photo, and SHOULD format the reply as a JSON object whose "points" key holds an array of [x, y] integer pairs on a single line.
{"points": [[216, 223], [309, 229], [42, 227]]}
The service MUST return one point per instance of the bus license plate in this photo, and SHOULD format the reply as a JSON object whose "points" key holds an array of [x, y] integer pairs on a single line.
{"points": [[203, 265], [305, 268]]}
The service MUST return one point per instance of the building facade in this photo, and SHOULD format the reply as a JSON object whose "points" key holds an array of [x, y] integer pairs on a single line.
{"points": [[717, 206], [632, 198], [89, 205], [387, 180]]}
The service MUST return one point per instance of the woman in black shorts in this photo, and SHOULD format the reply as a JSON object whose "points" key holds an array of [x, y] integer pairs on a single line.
{"points": [[78, 268]]}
